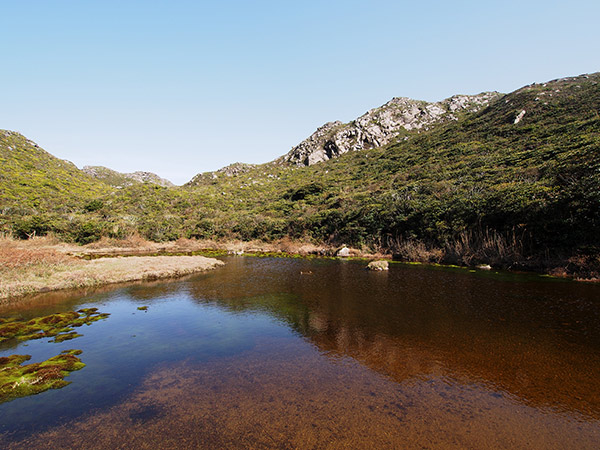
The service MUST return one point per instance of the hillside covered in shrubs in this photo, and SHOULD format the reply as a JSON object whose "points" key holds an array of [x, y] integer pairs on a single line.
{"points": [[516, 184]]}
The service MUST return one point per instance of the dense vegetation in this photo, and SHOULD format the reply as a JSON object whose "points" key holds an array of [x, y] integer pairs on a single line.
{"points": [[483, 186]]}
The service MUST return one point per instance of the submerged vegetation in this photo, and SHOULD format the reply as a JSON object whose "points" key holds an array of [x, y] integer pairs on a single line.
{"points": [[17, 380], [515, 185]]}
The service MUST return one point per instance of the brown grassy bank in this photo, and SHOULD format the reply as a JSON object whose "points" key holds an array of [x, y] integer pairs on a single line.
{"points": [[135, 245], [41, 265], [44, 263]]}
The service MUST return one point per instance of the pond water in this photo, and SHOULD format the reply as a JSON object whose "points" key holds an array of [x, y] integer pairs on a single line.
{"points": [[322, 354]]}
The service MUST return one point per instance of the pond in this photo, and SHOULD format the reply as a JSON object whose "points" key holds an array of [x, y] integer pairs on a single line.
{"points": [[311, 354]]}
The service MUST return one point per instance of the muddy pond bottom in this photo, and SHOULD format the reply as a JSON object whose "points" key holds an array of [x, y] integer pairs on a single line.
{"points": [[318, 354]]}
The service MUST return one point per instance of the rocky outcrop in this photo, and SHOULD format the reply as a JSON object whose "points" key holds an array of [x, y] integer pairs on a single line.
{"points": [[119, 179], [382, 125], [148, 177], [234, 169]]}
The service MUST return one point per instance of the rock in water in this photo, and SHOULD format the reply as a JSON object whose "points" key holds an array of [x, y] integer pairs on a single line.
{"points": [[378, 265]]}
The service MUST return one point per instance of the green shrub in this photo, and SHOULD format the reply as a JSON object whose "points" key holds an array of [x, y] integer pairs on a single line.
{"points": [[94, 205], [87, 232]]}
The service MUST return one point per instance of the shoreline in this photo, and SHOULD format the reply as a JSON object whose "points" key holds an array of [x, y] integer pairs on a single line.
{"points": [[576, 269], [44, 264]]}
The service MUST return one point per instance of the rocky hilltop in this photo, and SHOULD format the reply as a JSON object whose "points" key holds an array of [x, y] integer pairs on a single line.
{"points": [[118, 179], [382, 125], [232, 170]]}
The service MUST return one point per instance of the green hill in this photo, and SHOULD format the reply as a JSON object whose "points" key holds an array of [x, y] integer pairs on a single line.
{"points": [[33, 181], [41, 193], [484, 169]]}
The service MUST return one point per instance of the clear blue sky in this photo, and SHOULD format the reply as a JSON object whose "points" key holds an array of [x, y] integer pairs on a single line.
{"points": [[181, 87]]}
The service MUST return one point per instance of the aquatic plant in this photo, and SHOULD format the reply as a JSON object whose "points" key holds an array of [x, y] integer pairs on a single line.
{"points": [[17, 380], [58, 326]]}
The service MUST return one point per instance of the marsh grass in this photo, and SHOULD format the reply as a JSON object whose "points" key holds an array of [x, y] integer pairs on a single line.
{"points": [[485, 247], [25, 264], [134, 240], [415, 251], [468, 248]]}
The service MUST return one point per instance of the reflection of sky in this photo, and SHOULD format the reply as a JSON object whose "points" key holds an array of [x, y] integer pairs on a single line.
{"points": [[120, 350]]}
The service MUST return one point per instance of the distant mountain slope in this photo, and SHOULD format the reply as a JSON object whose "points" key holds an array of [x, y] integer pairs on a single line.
{"points": [[32, 179], [118, 179], [382, 125]]}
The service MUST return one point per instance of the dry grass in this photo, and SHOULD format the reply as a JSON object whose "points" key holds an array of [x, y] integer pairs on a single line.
{"points": [[14, 257], [416, 251], [35, 255], [282, 245], [33, 266], [137, 245], [489, 247], [469, 248]]}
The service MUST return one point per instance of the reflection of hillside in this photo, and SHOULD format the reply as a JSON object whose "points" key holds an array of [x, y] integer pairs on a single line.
{"points": [[535, 341], [536, 372]]}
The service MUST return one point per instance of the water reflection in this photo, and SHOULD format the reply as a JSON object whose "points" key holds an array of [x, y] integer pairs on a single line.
{"points": [[262, 354], [534, 339]]}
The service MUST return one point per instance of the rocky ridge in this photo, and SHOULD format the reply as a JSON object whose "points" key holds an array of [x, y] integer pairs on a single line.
{"points": [[380, 126], [119, 179]]}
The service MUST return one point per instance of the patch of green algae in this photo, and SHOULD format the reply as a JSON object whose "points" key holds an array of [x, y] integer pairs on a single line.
{"points": [[58, 326], [17, 380]]}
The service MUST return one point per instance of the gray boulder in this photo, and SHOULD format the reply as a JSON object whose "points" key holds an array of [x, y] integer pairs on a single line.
{"points": [[344, 252]]}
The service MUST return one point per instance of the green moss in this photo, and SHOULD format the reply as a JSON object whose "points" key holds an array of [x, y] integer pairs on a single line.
{"points": [[66, 336], [58, 326], [17, 380], [209, 253]]}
